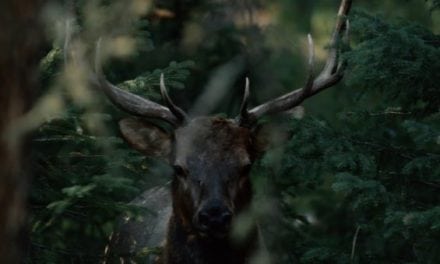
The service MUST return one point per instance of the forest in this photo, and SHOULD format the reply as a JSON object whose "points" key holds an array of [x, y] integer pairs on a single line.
{"points": [[351, 175]]}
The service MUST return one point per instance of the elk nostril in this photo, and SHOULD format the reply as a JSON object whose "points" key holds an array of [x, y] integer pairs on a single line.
{"points": [[215, 219], [204, 219]]}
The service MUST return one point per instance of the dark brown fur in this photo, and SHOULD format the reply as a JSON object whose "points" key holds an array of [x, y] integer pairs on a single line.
{"points": [[212, 152]]}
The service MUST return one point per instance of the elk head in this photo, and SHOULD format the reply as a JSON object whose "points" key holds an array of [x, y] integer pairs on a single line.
{"points": [[212, 156]]}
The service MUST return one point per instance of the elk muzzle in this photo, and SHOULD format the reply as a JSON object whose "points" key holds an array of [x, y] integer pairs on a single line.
{"points": [[214, 219]]}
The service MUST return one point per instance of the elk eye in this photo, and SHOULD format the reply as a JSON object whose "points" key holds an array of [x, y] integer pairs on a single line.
{"points": [[179, 171]]}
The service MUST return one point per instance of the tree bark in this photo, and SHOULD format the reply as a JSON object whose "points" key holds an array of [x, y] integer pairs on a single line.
{"points": [[20, 37]]}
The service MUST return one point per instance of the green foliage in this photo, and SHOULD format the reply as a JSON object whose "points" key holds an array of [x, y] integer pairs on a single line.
{"points": [[146, 83], [391, 56], [84, 181], [364, 188], [331, 182], [85, 174]]}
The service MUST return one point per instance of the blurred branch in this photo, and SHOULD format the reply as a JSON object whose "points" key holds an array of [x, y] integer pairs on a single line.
{"points": [[20, 42]]}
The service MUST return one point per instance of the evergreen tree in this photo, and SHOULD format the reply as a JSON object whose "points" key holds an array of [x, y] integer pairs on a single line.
{"points": [[364, 188]]}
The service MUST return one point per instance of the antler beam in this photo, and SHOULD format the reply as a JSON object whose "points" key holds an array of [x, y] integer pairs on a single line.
{"points": [[329, 76], [129, 102]]}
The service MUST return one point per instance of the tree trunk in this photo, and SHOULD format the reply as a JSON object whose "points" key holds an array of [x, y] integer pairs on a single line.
{"points": [[19, 42]]}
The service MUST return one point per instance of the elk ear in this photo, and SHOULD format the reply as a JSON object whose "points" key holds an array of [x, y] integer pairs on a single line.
{"points": [[147, 138]]}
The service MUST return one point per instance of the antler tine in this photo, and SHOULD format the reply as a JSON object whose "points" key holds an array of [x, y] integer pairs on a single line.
{"points": [[329, 76], [309, 84], [127, 101], [332, 59], [177, 111], [242, 119], [347, 31]]}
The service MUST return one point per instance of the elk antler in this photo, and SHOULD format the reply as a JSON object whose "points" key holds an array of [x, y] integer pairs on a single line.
{"points": [[126, 101], [243, 108], [329, 76], [177, 111], [135, 104]]}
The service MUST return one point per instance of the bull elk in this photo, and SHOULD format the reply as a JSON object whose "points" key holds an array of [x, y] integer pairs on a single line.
{"points": [[211, 157]]}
